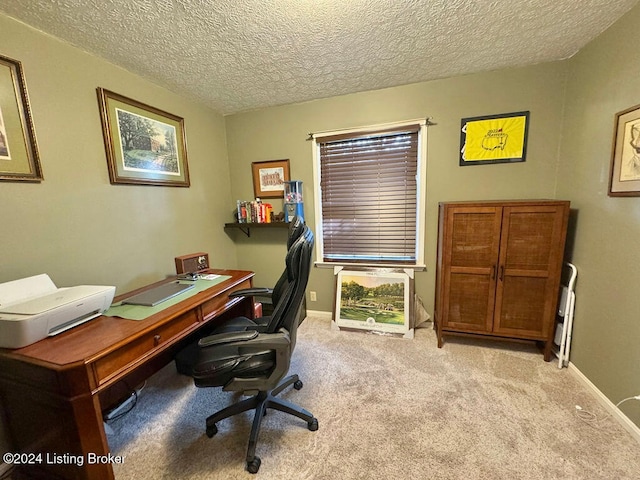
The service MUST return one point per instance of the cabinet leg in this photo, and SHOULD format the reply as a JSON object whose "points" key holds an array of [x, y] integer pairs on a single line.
{"points": [[436, 327], [548, 350]]}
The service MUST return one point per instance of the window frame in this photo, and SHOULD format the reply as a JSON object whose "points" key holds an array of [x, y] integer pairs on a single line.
{"points": [[421, 194]]}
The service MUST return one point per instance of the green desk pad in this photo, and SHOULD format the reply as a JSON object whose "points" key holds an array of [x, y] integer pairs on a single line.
{"points": [[140, 312]]}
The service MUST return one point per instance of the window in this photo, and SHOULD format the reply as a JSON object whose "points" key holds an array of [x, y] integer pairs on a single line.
{"points": [[370, 195]]}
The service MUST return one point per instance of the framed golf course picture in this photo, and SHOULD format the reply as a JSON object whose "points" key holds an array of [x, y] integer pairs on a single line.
{"points": [[373, 299]]}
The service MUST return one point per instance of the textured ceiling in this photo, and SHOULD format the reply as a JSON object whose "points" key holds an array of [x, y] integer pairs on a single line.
{"points": [[238, 55]]}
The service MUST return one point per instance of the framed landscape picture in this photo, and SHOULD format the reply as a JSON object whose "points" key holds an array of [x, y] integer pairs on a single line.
{"points": [[144, 145], [373, 299]]}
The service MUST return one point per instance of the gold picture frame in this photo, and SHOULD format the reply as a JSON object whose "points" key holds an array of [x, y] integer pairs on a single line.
{"points": [[624, 177], [269, 178], [19, 159], [494, 139], [144, 145]]}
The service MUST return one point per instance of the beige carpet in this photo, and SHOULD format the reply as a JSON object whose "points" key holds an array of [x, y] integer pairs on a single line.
{"points": [[388, 408]]}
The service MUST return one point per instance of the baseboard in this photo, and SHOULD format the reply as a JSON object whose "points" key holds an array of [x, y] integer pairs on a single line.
{"points": [[320, 314], [615, 412]]}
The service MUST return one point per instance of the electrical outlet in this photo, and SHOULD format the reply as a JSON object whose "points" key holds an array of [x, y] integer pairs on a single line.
{"points": [[312, 296]]}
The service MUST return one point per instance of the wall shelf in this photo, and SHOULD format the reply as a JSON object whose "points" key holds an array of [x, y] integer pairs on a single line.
{"points": [[246, 227]]}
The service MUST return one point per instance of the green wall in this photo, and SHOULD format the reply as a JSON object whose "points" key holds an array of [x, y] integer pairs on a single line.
{"points": [[75, 225], [603, 80], [282, 132]]}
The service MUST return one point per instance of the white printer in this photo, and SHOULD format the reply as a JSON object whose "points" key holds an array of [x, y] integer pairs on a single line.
{"points": [[33, 308]]}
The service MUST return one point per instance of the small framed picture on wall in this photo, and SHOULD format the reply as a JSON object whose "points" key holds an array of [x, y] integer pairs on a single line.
{"points": [[269, 178]]}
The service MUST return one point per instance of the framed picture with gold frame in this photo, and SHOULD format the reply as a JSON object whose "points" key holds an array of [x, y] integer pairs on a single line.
{"points": [[19, 160], [269, 178], [144, 145], [624, 179], [494, 139]]}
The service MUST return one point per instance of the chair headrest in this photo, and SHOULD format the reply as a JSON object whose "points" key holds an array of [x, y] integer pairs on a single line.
{"points": [[296, 227]]}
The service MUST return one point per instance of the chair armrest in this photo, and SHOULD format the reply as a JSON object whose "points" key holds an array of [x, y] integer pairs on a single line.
{"points": [[277, 341], [280, 343], [252, 292], [228, 337]]}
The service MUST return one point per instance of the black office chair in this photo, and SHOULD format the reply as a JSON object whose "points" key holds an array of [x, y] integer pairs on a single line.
{"points": [[270, 296], [253, 358]]}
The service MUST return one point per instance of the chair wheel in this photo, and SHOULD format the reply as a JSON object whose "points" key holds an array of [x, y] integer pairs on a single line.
{"points": [[211, 431], [313, 425], [298, 384], [254, 465]]}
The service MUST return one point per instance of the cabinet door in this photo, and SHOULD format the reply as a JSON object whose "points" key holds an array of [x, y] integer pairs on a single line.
{"points": [[531, 252], [470, 248]]}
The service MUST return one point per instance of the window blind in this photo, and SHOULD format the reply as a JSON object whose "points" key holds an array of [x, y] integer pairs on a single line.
{"points": [[369, 196]]}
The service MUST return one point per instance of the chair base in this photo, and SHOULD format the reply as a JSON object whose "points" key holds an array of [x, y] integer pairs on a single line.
{"points": [[260, 403]]}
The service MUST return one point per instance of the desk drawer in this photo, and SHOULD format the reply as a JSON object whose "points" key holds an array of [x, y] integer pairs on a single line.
{"points": [[218, 303], [136, 350]]}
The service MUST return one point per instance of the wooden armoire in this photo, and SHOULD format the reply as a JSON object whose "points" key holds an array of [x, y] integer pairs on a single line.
{"points": [[498, 269]]}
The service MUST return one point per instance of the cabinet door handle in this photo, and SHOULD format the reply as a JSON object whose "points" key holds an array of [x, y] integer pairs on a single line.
{"points": [[493, 272], [156, 340], [501, 275]]}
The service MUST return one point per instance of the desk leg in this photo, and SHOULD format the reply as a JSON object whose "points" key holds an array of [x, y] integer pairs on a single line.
{"points": [[92, 438], [66, 431]]}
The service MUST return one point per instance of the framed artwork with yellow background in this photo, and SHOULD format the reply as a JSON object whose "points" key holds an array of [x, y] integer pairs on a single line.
{"points": [[494, 139]]}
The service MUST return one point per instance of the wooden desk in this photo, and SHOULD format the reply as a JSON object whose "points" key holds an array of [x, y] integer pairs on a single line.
{"points": [[53, 392]]}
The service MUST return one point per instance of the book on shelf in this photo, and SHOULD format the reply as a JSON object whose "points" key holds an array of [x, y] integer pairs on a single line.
{"points": [[254, 211]]}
